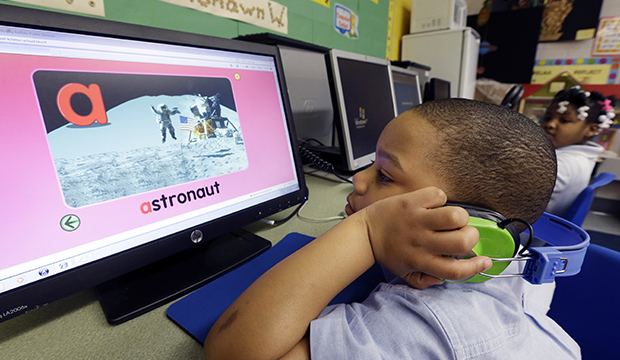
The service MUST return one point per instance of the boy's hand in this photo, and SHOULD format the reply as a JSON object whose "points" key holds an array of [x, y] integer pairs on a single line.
{"points": [[410, 233]]}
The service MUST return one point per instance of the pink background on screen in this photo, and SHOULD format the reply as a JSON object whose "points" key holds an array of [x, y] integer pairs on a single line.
{"points": [[32, 200]]}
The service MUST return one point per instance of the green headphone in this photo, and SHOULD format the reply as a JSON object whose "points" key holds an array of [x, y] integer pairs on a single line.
{"points": [[499, 238]]}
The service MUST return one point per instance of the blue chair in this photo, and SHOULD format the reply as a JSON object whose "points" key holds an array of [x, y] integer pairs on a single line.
{"points": [[580, 207], [586, 305]]}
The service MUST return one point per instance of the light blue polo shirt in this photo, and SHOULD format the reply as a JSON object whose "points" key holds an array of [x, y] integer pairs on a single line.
{"points": [[490, 320]]}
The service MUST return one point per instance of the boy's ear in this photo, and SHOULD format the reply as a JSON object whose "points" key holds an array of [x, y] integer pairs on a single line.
{"points": [[591, 130]]}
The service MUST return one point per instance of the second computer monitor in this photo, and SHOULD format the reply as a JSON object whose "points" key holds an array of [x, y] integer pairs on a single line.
{"points": [[436, 89], [365, 100], [406, 88]]}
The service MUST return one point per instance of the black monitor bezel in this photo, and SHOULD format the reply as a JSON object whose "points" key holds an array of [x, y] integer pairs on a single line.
{"points": [[32, 296], [351, 163]]}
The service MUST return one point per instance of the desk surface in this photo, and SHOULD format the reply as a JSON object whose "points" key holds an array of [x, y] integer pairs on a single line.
{"points": [[75, 327]]}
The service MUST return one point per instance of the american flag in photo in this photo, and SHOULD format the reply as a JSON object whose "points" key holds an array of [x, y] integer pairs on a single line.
{"points": [[187, 123]]}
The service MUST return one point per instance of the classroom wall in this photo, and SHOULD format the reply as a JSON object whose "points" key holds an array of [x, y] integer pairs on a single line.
{"points": [[561, 49], [474, 6], [400, 18], [381, 25], [576, 49], [308, 21]]}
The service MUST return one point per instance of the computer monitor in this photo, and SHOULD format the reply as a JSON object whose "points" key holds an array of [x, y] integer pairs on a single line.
{"points": [[365, 103], [436, 89], [424, 71], [406, 88], [134, 151], [307, 80]]}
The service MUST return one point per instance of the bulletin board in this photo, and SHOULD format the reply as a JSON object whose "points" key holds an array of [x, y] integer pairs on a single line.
{"points": [[599, 70], [565, 20], [308, 20]]}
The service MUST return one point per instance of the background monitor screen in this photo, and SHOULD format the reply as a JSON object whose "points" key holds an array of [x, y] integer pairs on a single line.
{"points": [[365, 102], [307, 80], [406, 88], [122, 148]]}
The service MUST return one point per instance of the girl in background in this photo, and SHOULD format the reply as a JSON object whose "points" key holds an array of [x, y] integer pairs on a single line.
{"points": [[574, 117]]}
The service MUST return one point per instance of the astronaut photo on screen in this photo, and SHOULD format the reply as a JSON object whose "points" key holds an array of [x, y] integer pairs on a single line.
{"points": [[106, 144], [165, 122]]}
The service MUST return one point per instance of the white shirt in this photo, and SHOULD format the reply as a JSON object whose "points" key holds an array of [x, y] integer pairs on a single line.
{"points": [[575, 166]]}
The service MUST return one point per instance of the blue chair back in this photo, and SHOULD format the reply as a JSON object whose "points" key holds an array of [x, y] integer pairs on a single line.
{"points": [[580, 207], [586, 305]]}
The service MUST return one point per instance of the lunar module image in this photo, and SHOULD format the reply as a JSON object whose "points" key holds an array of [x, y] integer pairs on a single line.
{"points": [[209, 122]]}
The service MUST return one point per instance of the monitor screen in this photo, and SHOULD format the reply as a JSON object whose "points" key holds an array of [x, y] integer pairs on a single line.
{"points": [[365, 102], [307, 80], [309, 93], [122, 148], [406, 88]]}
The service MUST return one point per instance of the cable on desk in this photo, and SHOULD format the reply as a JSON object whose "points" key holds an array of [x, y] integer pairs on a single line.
{"points": [[339, 217], [282, 221], [320, 163]]}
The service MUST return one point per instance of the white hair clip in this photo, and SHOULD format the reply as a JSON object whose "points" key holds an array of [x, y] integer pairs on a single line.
{"points": [[562, 107], [606, 120], [583, 112]]}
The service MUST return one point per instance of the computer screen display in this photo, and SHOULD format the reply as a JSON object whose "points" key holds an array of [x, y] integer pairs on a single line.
{"points": [[115, 143], [307, 80], [309, 93], [365, 99], [406, 88]]}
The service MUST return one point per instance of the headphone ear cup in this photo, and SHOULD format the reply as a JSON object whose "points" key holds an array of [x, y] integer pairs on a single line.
{"points": [[488, 214], [494, 242]]}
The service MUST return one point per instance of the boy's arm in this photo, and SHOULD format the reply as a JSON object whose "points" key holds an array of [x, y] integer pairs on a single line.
{"points": [[274, 313], [406, 233]]}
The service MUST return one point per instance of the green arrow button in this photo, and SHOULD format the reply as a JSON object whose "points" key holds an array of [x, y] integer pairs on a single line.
{"points": [[70, 222]]}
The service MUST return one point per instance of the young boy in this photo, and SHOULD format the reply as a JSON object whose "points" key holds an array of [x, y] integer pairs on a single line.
{"points": [[456, 149], [571, 120]]}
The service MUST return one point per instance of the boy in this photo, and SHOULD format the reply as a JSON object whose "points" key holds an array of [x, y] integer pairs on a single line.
{"points": [[454, 149], [571, 120]]}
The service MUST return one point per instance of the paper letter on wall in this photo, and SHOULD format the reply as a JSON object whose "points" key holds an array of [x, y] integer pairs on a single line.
{"points": [[264, 13]]}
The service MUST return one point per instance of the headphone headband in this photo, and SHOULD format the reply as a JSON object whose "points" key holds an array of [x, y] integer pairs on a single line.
{"points": [[563, 254], [492, 215]]}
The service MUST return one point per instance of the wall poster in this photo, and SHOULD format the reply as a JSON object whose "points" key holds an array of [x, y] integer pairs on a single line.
{"points": [[90, 7], [602, 70], [264, 13], [607, 41]]}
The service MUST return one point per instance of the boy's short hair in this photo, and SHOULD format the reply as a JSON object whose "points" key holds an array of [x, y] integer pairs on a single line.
{"points": [[492, 156]]}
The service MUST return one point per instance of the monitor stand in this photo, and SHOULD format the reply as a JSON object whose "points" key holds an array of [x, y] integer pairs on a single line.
{"points": [[147, 288]]}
